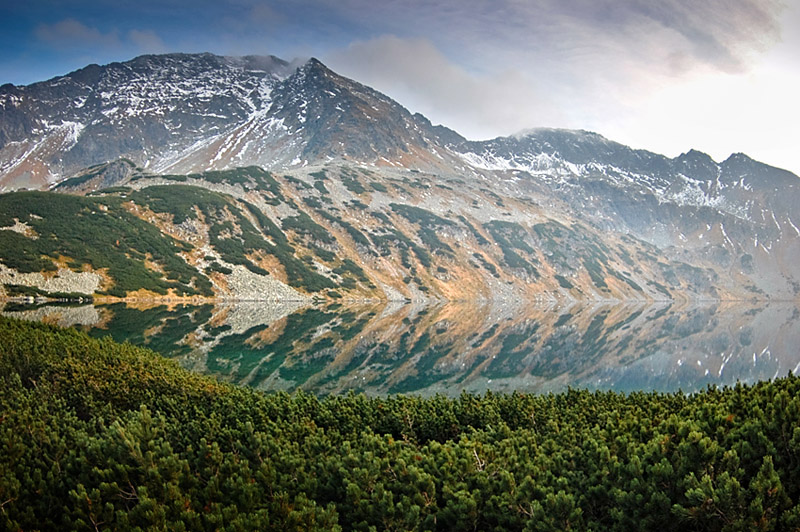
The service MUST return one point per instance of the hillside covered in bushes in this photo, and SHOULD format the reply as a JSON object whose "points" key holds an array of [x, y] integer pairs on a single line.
{"points": [[99, 435]]}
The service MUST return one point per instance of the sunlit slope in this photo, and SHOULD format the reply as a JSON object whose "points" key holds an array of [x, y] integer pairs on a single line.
{"points": [[334, 231]]}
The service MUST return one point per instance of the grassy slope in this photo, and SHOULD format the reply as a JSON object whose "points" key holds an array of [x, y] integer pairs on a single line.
{"points": [[95, 434]]}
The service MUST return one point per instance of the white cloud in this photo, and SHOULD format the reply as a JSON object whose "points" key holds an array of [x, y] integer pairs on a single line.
{"points": [[754, 111], [720, 33], [666, 77]]}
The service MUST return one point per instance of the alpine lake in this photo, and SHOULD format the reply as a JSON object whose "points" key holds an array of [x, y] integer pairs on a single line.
{"points": [[384, 348]]}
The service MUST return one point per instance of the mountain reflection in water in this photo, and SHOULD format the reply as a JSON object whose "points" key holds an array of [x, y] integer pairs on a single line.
{"points": [[387, 348]]}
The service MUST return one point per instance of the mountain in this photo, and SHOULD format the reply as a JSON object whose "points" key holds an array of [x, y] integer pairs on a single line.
{"points": [[184, 113], [146, 109], [271, 179]]}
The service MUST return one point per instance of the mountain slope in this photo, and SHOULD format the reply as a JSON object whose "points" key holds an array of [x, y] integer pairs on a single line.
{"points": [[739, 214], [184, 113], [144, 109], [344, 230], [342, 175]]}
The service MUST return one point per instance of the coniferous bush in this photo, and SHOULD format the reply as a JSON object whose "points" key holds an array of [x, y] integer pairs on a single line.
{"points": [[100, 435]]}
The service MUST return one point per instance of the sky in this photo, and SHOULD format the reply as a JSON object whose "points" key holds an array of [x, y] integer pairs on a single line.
{"points": [[720, 76]]}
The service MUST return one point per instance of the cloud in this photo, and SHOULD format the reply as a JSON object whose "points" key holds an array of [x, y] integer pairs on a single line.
{"points": [[147, 41], [248, 17], [720, 113], [417, 74], [722, 34], [488, 69], [73, 36], [72, 33]]}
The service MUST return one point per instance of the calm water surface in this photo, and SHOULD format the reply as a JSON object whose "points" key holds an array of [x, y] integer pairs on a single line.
{"points": [[392, 348]]}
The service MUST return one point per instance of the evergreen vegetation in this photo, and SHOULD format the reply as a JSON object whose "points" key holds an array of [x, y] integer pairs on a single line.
{"points": [[351, 182], [357, 236], [298, 273], [420, 216], [303, 224], [100, 435], [511, 236], [250, 177], [100, 233], [230, 232]]}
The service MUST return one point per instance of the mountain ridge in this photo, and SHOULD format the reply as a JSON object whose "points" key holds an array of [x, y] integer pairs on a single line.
{"points": [[347, 176], [259, 74]]}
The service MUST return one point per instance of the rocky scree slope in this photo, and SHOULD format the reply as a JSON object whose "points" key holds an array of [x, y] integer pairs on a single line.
{"points": [[340, 230]]}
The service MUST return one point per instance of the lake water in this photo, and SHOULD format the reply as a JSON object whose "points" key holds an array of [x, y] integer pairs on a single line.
{"points": [[392, 348]]}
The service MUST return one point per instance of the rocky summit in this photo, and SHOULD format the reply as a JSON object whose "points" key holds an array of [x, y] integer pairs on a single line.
{"points": [[252, 177]]}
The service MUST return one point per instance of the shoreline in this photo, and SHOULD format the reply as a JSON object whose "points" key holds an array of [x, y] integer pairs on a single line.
{"points": [[204, 300]]}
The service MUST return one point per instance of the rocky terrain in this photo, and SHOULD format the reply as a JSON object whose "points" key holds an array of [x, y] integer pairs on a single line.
{"points": [[182, 113], [253, 178]]}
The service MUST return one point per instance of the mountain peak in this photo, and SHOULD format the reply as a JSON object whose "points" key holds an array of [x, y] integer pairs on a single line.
{"points": [[259, 63], [696, 157], [316, 67], [337, 117], [739, 157], [558, 132], [693, 153]]}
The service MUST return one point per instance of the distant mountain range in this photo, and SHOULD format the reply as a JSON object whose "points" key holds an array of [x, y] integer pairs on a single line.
{"points": [[257, 172]]}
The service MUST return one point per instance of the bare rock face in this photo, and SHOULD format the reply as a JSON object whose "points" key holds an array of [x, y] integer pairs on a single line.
{"points": [[148, 109], [246, 285], [64, 281]]}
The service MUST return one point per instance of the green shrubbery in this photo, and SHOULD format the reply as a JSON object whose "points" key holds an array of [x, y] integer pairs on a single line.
{"points": [[99, 232], [249, 177], [420, 216], [298, 273], [103, 234], [99, 435], [350, 181], [303, 224], [510, 236]]}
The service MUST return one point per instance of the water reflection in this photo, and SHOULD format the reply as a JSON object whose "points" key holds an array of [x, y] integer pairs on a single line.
{"points": [[404, 348]]}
